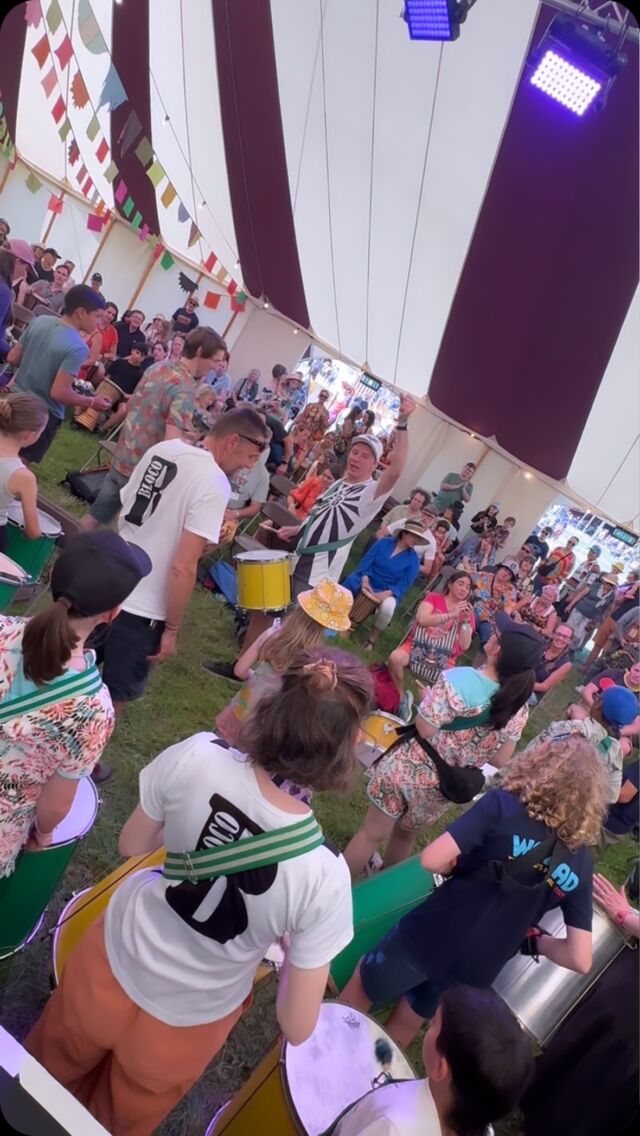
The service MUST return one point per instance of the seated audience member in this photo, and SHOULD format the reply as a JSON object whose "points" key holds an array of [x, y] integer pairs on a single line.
{"points": [[405, 788], [261, 667], [494, 592], [45, 266], [7, 266], [185, 319], [130, 332], [502, 532], [300, 445], [411, 510], [177, 347], [624, 649], [158, 330], [106, 321], [427, 548], [20, 268], [125, 374], [281, 444], [449, 516], [159, 353], [627, 600], [486, 520], [302, 499], [5, 229], [540, 610], [367, 422], [558, 566], [96, 283], [602, 724], [590, 607], [249, 491], [556, 663], [455, 487], [247, 389], [136, 981], [70, 265], [524, 583], [477, 1062], [623, 817], [442, 630], [613, 676], [586, 1079], [321, 456], [52, 293], [219, 378], [475, 555], [549, 808], [441, 537], [385, 573]]}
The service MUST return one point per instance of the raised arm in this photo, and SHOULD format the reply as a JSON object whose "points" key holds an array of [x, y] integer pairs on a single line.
{"points": [[400, 452]]}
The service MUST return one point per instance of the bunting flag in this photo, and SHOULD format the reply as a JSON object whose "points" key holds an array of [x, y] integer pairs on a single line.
{"points": [[49, 82], [194, 235], [239, 302], [64, 52], [168, 196], [144, 151], [95, 224], [136, 220], [65, 130], [102, 151], [121, 192], [58, 109], [74, 152], [144, 232], [55, 204], [113, 93], [93, 128], [157, 246], [54, 16], [110, 173], [32, 13], [32, 183], [89, 29], [79, 92], [155, 173], [232, 287], [211, 300], [41, 51], [130, 132], [167, 261], [128, 206], [183, 213], [210, 261]]}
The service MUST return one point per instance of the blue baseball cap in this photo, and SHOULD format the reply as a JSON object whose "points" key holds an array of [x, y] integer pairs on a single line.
{"points": [[620, 706]]}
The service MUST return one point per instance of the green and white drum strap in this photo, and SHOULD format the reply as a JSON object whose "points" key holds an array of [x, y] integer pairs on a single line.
{"points": [[245, 855], [69, 685]]}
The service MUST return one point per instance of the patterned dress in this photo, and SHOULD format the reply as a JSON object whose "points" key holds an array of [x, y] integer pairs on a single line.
{"points": [[404, 785], [66, 737]]}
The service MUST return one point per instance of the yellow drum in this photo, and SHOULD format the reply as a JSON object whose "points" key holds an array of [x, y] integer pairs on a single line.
{"points": [[264, 580], [304, 1088], [379, 731]]}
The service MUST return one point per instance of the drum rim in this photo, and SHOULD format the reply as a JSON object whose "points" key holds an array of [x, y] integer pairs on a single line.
{"points": [[83, 832], [254, 556], [57, 930], [16, 507], [26, 942]]}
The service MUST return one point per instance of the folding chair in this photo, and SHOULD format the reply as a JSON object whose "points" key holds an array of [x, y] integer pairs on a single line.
{"points": [[107, 445]]}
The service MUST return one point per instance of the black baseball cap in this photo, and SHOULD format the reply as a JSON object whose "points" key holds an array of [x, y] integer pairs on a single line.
{"points": [[521, 647], [97, 571], [97, 276]]}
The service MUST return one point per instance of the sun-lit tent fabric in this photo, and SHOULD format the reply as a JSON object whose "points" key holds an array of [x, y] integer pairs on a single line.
{"points": [[387, 149]]}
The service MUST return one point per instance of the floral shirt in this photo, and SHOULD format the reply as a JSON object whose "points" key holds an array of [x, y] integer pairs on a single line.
{"points": [[464, 693], [491, 596], [314, 418], [66, 737], [165, 396]]}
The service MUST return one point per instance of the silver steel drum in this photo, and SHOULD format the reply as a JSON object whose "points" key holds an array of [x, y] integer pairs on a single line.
{"points": [[541, 994]]}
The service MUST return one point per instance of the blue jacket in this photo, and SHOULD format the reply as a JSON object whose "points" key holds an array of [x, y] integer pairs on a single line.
{"points": [[386, 573]]}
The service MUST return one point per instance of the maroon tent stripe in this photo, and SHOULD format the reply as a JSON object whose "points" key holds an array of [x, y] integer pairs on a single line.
{"points": [[13, 33], [255, 153], [549, 275], [130, 54]]}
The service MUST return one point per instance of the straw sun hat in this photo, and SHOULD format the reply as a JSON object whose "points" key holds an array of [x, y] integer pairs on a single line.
{"points": [[328, 604]]}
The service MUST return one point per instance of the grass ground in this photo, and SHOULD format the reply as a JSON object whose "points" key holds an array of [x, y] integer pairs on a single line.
{"points": [[181, 700]]}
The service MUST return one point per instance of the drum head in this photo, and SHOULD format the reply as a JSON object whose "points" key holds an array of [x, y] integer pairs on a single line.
{"points": [[378, 733], [8, 567], [260, 557], [81, 815], [48, 525], [336, 1066]]}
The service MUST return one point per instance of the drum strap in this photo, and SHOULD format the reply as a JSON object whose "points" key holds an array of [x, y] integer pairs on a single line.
{"points": [[245, 855], [69, 685]]}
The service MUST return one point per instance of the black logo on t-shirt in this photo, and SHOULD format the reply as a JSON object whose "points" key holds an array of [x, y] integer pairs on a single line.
{"points": [[156, 478], [216, 907]]}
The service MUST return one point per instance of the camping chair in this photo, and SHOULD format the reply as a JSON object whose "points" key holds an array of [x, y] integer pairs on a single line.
{"points": [[107, 445]]}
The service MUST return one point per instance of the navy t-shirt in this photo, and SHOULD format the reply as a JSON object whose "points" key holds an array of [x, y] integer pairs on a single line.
{"points": [[624, 818], [467, 929]]}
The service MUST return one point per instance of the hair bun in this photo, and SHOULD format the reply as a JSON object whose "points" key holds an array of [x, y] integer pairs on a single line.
{"points": [[321, 675], [6, 410]]}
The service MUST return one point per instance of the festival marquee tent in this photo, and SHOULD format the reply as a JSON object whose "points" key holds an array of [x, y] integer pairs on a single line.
{"points": [[419, 209]]}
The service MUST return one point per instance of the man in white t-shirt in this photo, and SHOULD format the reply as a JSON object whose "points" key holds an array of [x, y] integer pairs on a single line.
{"points": [[346, 508], [249, 491], [173, 506]]}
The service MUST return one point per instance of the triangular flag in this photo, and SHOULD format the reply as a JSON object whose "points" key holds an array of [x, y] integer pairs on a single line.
{"points": [[79, 92], [90, 33], [130, 132], [211, 300], [167, 261], [128, 207], [121, 192], [41, 51], [32, 183], [194, 235], [94, 224], [93, 128], [55, 204], [49, 81], [210, 261], [102, 151], [64, 52], [155, 173], [54, 16], [144, 150], [168, 196], [65, 130], [113, 93], [183, 213], [58, 109]]}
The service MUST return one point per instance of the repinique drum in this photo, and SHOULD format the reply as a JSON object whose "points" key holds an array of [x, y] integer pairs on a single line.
{"points": [[540, 994], [264, 580], [32, 555], [24, 896], [378, 903], [85, 906], [106, 389], [12, 577], [304, 1088], [362, 608], [379, 732]]}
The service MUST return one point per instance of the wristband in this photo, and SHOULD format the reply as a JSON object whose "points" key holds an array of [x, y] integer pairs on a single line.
{"points": [[621, 916], [38, 831]]}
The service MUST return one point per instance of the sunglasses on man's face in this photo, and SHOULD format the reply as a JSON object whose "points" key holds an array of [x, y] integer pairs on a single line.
{"points": [[259, 442]]}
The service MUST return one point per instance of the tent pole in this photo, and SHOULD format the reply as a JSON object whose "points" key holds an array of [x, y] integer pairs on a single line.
{"points": [[229, 326], [101, 243], [51, 222], [5, 177]]}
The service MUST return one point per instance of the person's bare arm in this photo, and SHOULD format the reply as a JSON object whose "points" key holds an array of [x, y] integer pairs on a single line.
{"points": [[440, 855], [54, 802], [249, 657], [503, 756], [553, 679], [426, 566], [62, 391], [448, 486], [24, 485], [580, 594], [464, 489], [15, 355], [180, 584], [140, 834], [400, 452], [298, 1001], [250, 510], [574, 952]]}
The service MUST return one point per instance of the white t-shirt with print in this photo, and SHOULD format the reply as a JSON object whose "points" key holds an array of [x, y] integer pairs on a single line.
{"points": [[173, 487], [342, 512], [187, 953], [405, 1108]]}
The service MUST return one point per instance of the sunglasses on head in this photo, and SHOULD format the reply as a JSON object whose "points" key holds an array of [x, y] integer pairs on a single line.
{"points": [[259, 442]]}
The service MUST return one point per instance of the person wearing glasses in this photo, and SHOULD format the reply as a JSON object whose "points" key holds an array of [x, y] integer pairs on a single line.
{"points": [[559, 566], [174, 505], [161, 408], [556, 663], [315, 417]]}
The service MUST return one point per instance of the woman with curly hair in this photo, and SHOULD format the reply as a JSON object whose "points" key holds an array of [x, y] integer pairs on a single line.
{"points": [[519, 852]]}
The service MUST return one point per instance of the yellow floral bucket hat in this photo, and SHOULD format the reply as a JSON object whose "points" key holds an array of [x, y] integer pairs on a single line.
{"points": [[328, 604]]}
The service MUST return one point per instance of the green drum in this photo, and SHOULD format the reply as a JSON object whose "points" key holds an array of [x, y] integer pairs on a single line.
{"points": [[12, 577], [32, 555], [24, 896], [378, 903]]}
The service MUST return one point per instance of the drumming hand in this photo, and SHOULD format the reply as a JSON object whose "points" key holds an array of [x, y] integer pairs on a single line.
{"points": [[288, 532], [100, 403], [37, 841], [168, 644], [613, 900]]}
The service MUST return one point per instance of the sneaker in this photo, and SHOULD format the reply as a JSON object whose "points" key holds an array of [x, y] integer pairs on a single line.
{"points": [[222, 670], [405, 709], [102, 772], [373, 865]]}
